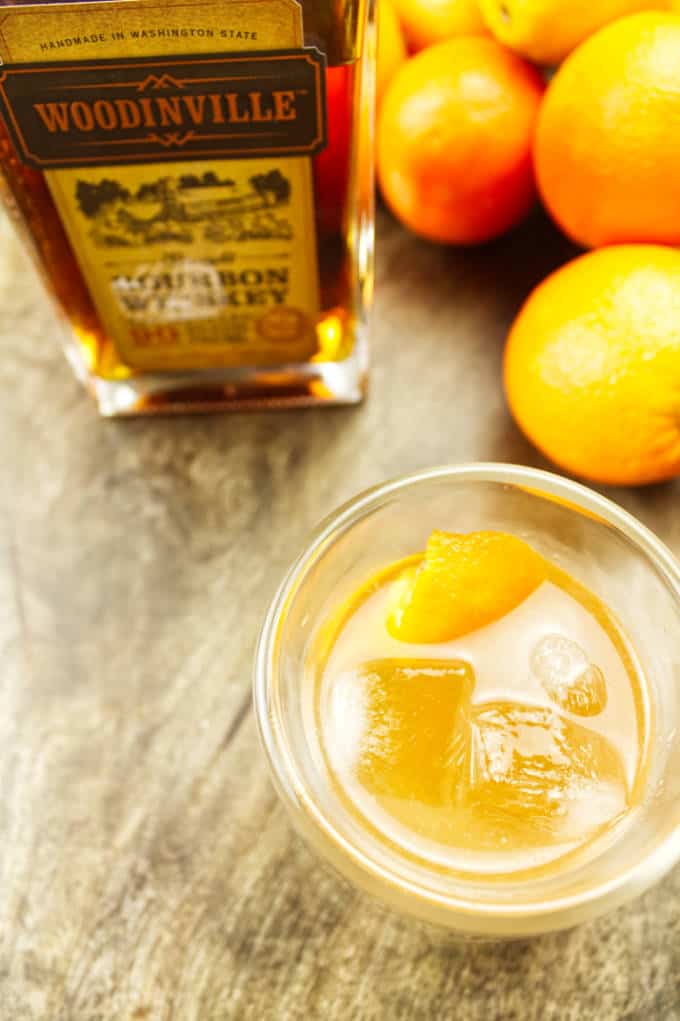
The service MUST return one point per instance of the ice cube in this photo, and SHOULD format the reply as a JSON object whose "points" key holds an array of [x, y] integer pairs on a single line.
{"points": [[538, 778], [415, 732], [568, 677]]}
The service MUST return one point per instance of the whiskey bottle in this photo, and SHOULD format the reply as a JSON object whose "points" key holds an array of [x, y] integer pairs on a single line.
{"points": [[195, 183]]}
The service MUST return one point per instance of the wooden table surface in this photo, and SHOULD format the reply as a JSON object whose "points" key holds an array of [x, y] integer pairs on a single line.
{"points": [[147, 871]]}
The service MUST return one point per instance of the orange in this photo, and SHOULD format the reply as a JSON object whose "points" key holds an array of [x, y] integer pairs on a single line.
{"points": [[463, 583], [426, 22], [454, 140], [391, 46], [592, 365], [548, 30], [607, 147]]}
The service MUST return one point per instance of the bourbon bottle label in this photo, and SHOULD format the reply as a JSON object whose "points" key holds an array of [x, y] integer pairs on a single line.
{"points": [[143, 111], [182, 174]]}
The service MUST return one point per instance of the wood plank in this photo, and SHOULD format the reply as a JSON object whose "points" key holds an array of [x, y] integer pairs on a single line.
{"points": [[147, 870]]}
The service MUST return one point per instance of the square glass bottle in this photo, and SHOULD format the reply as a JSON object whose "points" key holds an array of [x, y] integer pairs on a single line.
{"points": [[195, 182]]}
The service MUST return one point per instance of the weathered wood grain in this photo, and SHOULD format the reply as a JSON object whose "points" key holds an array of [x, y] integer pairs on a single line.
{"points": [[146, 870]]}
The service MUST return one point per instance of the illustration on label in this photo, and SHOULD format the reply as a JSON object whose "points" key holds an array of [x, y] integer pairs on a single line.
{"points": [[186, 209]]}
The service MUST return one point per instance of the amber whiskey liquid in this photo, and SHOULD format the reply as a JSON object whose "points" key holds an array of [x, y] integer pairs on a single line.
{"points": [[520, 746], [193, 279]]}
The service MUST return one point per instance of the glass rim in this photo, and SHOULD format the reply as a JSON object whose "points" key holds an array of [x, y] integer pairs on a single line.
{"points": [[292, 788]]}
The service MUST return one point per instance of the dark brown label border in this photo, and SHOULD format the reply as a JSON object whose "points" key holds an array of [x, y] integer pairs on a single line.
{"points": [[149, 110]]}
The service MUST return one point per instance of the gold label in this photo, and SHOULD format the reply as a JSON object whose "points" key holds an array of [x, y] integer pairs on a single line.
{"points": [[146, 28], [193, 260], [200, 264]]}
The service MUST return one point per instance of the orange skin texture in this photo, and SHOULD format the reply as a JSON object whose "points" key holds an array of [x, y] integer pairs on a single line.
{"points": [[547, 31], [426, 22], [454, 141], [464, 582], [592, 365], [391, 47], [607, 146]]}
